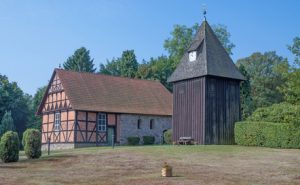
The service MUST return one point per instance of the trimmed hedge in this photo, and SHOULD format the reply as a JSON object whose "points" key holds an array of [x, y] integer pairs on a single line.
{"points": [[148, 140], [133, 140], [168, 137], [32, 143], [268, 134], [9, 147]]}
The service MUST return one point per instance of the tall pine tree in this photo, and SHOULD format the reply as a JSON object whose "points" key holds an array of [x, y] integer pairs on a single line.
{"points": [[129, 64], [126, 65], [7, 123], [80, 61]]}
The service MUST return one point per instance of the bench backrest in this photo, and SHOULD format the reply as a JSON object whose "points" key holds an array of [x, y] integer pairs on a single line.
{"points": [[185, 138]]}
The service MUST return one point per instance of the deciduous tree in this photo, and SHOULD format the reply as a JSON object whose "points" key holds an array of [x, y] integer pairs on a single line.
{"points": [[182, 36], [266, 76]]}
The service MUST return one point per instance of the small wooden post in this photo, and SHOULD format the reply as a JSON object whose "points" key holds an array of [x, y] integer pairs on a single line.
{"points": [[48, 145], [166, 170]]}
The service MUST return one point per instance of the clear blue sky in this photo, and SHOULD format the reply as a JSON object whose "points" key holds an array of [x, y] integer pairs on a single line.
{"points": [[36, 36]]}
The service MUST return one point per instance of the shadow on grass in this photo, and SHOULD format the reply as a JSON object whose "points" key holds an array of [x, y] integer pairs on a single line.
{"points": [[55, 158], [12, 167]]}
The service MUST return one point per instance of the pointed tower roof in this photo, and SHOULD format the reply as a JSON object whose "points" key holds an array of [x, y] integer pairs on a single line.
{"points": [[212, 58]]}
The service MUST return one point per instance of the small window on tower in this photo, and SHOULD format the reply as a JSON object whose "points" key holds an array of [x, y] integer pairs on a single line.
{"points": [[192, 56]]}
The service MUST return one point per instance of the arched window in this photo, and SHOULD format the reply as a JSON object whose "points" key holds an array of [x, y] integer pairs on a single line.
{"points": [[151, 123], [139, 124]]}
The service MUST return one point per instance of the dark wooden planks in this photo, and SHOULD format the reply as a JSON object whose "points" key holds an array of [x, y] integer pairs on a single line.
{"points": [[222, 110], [206, 109], [188, 109]]}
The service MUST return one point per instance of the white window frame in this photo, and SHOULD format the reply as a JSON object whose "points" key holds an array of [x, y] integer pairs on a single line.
{"points": [[57, 121], [102, 122]]}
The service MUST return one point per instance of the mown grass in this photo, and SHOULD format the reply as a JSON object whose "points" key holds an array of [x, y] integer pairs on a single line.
{"points": [[210, 164]]}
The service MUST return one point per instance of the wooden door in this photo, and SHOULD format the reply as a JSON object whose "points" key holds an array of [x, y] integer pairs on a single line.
{"points": [[110, 135]]}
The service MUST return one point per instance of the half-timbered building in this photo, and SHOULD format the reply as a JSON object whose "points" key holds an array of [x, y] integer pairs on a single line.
{"points": [[84, 109], [206, 91]]}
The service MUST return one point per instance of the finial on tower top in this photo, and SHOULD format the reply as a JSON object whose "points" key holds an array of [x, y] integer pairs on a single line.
{"points": [[204, 11]]}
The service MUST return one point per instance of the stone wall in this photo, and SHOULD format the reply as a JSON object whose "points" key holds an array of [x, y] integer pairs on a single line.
{"points": [[129, 122], [57, 146]]}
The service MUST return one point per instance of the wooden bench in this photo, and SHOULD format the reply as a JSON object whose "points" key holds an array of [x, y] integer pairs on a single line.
{"points": [[185, 141]]}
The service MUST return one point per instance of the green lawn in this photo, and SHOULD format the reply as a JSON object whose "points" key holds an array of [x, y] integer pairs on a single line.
{"points": [[142, 165]]}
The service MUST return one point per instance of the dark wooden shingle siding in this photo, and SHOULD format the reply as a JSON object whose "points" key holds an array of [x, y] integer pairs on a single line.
{"points": [[189, 109], [222, 110]]}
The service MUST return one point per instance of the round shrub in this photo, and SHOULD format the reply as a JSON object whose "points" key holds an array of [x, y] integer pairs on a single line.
{"points": [[168, 136], [32, 143], [9, 147], [148, 140], [133, 140]]}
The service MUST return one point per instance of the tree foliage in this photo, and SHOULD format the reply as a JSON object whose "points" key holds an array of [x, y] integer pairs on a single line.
{"points": [[111, 68], [7, 123], [80, 61], [266, 75], [277, 113], [12, 98], [168, 137], [125, 66], [245, 94], [159, 68], [32, 142], [182, 36], [295, 49], [291, 88], [224, 37], [36, 121], [128, 64], [9, 147]]}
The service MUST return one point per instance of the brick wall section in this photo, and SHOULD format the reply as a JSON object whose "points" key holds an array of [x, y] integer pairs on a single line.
{"points": [[128, 127]]}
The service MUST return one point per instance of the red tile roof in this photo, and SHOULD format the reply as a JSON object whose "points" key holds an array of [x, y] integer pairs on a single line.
{"points": [[104, 93]]}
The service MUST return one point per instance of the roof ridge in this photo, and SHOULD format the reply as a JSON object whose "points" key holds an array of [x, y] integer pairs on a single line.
{"points": [[112, 76]]}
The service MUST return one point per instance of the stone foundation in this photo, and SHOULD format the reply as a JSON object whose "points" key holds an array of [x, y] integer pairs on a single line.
{"points": [[58, 146]]}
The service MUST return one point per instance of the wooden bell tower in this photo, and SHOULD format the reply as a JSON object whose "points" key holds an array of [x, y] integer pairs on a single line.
{"points": [[206, 91]]}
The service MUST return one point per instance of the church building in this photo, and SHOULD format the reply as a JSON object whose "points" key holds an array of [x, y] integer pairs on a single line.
{"points": [[84, 109]]}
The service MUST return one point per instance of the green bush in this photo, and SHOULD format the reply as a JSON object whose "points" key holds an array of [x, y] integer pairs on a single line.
{"points": [[148, 140], [133, 140], [32, 143], [168, 137], [277, 113], [9, 147], [268, 134]]}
